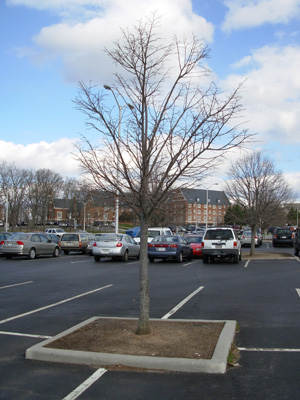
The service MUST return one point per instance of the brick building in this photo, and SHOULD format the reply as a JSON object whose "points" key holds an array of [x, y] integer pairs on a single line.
{"points": [[188, 207]]}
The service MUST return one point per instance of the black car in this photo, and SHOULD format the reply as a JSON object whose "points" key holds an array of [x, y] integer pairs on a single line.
{"points": [[283, 237], [297, 241]]}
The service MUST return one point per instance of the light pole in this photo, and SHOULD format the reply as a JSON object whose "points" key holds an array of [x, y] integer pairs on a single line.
{"points": [[118, 141], [83, 214], [207, 203], [6, 216]]}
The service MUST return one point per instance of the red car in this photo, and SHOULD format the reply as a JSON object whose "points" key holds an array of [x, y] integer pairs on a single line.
{"points": [[195, 242]]}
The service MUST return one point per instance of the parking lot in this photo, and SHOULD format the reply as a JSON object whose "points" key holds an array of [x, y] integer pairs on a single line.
{"points": [[43, 297]]}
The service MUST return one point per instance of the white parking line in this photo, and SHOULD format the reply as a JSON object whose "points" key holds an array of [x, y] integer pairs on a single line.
{"points": [[53, 305], [182, 303], [25, 335], [269, 349], [78, 262], [85, 385], [247, 263], [16, 284], [298, 291]]}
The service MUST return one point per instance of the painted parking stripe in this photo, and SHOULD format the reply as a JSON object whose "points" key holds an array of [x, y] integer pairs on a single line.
{"points": [[269, 349], [53, 305], [182, 303], [16, 284], [25, 335], [85, 385]]}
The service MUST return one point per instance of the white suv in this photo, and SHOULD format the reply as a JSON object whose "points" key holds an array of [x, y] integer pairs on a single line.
{"points": [[221, 243], [58, 232]]}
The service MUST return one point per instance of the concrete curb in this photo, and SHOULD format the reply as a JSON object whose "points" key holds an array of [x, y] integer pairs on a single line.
{"points": [[217, 364]]}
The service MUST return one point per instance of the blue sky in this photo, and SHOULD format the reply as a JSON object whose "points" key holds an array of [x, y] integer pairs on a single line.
{"points": [[48, 46]]}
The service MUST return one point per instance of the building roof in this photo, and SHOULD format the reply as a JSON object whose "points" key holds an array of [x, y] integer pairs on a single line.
{"points": [[216, 197]]}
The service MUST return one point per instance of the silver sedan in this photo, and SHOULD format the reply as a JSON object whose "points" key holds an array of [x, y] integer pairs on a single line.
{"points": [[30, 245], [116, 246]]}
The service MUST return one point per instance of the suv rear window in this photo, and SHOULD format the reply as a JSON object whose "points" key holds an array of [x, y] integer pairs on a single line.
{"points": [[219, 234], [70, 237]]}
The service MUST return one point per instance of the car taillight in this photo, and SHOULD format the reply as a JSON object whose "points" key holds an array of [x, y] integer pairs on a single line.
{"points": [[20, 243], [255, 237], [79, 244], [235, 244], [95, 244], [2, 242], [119, 244], [202, 245]]}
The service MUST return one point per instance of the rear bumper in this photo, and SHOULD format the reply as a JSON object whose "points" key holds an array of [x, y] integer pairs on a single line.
{"points": [[221, 253]]}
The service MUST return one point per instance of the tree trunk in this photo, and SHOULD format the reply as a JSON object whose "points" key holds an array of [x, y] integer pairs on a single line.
{"points": [[253, 233], [143, 323]]}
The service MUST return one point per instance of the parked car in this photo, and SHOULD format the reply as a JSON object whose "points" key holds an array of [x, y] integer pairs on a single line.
{"points": [[283, 237], [246, 238], [297, 241], [4, 236], [74, 241], [30, 245], [152, 233], [54, 238], [115, 246], [169, 247], [221, 243], [58, 232], [195, 242]]}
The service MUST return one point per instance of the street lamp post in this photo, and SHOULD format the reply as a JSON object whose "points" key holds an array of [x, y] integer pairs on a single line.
{"points": [[119, 136], [83, 214], [207, 203]]}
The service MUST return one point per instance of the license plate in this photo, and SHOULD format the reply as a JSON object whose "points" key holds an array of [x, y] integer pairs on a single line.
{"points": [[104, 251], [218, 246], [283, 237], [70, 243], [161, 248]]}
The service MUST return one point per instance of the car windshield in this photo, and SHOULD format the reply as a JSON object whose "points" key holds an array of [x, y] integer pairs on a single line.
{"points": [[219, 234], [112, 237], [19, 236], [193, 239], [151, 234], [247, 233]]}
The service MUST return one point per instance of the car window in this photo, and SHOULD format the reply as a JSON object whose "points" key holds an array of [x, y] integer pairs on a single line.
{"points": [[70, 237], [35, 238], [193, 239], [109, 236], [219, 234], [19, 236], [44, 239], [283, 232]]}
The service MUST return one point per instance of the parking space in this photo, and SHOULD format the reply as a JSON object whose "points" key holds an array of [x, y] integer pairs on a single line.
{"points": [[42, 297]]}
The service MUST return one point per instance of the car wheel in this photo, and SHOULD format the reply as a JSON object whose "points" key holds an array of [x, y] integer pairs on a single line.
{"points": [[190, 256], [297, 252], [32, 254], [205, 259], [125, 256], [66, 252], [179, 258], [97, 258], [151, 259], [9, 257], [138, 256], [274, 245], [56, 252], [236, 259], [240, 256]]}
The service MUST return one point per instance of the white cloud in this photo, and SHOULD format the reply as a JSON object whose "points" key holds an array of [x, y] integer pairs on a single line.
{"points": [[79, 42], [252, 13], [271, 93], [55, 156]]}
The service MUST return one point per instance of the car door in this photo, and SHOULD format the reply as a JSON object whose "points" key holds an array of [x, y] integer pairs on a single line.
{"points": [[37, 244], [135, 248], [186, 248], [47, 245]]}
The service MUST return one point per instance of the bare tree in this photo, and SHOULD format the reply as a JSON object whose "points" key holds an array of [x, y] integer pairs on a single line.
{"points": [[13, 183], [174, 131], [261, 190], [42, 185]]}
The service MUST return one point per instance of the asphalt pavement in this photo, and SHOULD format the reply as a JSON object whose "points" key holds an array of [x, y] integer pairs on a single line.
{"points": [[43, 297]]}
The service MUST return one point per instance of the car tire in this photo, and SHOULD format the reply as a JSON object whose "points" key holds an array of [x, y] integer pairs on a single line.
{"points": [[151, 259], [297, 252], [8, 257], [236, 259], [205, 258], [97, 258], [240, 256], [138, 256], [32, 254], [179, 259], [56, 252], [125, 256], [66, 252], [190, 256]]}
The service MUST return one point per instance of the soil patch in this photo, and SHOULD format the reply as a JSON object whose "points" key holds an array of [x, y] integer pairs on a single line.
{"points": [[196, 340]]}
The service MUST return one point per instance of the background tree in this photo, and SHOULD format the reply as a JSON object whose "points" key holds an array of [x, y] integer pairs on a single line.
{"points": [[256, 186], [293, 216], [42, 186], [175, 127], [13, 185], [235, 215]]}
